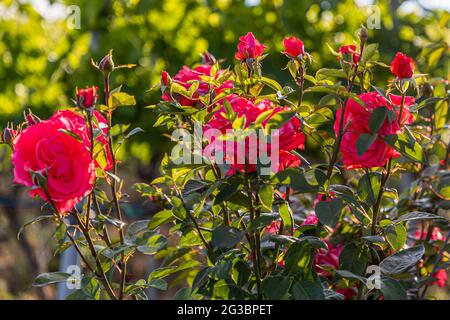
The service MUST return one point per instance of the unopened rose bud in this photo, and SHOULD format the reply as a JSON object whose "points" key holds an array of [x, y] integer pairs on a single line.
{"points": [[31, 118], [208, 59], [165, 79], [86, 98], [363, 34], [8, 135], [427, 90], [106, 65]]}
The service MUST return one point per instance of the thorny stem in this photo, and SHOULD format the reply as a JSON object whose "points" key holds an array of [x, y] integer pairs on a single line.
{"points": [[280, 232], [101, 275], [123, 262], [337, 144], [376, 207], [255, 248], [301, 81]]}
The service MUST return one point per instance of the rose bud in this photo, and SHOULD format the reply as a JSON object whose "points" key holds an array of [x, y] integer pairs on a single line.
{"points": [[208, 59], [402, 66], [349, 50], [363, 34], [249, 48], [106, 65], [293, 47], [86, 98], [31, 118], [8, 135], [165, 78]]}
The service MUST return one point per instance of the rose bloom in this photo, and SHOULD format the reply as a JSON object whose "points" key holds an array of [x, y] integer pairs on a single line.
{"points": [[102, 153], [402, 66], [293, 47], [350, 50], [249, 48], [441, 278], [290, 136], [186, 76], [87, 97], [356, 122], [62, 159]]}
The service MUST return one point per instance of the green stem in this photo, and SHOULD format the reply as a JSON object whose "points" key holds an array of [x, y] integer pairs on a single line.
{"points": [[123, 262], [255, 247], [337, 144]]}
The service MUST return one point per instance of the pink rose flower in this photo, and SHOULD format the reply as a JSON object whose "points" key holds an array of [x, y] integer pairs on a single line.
{"points": [[293, 47], [356, 120], [63, 160], [185, 78], [249, 47], [402, 66], [290, 136], [350, 50], [87, 97]]}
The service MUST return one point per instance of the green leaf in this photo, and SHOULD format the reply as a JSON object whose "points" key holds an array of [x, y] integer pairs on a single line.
{"points": [[369, 52], [276, 288], [396, 236], [417, 215], [326, 73], [402, 260], [262, 221], [120, 99], [152, 244], [377, 119], [407, 147], [307, 290], [178, 208], [271, 83], [160, 218], [364, 142], [159, 284], [299, 257], [368, 187], [354, 258], [328, 212], [35, 219], [278, 120], [392, 289], [45, 279], [224, 237], [287, 217], [266, 197], [137, 226]]}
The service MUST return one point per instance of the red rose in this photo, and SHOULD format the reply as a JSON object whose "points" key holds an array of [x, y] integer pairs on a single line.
{"points": [[402, 66], [87, 97], [311, 219], [185, 78], [249, 48], [63, 160], [289, 136], [350, 50], [293, 47], [165, 78], [327, 258], [441, 278], [356, 120], [102, 153]]}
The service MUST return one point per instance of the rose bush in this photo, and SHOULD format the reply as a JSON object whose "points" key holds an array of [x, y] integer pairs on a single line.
{"points": [[330, 224]]}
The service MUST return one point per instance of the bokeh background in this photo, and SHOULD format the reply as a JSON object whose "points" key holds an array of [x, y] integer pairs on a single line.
{"points": [[43, 59]]}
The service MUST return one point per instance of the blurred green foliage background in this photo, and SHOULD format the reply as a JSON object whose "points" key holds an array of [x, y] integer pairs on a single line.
{"points": [[43, 60]]}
